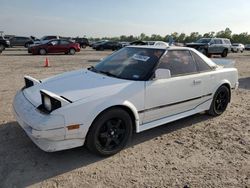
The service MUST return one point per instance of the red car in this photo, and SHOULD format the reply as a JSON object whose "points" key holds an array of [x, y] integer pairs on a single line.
{"points": [[55, 46]]}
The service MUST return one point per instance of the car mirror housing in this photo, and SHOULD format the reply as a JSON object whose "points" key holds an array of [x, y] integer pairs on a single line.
{"points": [[162, 74]]}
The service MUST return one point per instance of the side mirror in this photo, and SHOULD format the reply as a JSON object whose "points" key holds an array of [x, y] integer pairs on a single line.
{"points": [[162, 74]]}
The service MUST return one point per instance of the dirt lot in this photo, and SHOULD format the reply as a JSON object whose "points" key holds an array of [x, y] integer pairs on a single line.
{"points": [[198, 151]]}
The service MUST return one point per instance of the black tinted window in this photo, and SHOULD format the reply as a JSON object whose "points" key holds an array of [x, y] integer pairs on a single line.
{"points": [[179, 62], [201, 65], [217, 41], [64, 42]]}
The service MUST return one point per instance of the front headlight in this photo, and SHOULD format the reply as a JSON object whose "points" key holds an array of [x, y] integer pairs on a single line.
{"points": [[47, 103], [29, 81], [51, 101]]}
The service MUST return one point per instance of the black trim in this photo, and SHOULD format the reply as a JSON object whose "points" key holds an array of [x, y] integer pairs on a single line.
{"points": [[66, 99], [172, 104]]}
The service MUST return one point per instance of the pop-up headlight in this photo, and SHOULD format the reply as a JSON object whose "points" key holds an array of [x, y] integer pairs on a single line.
{"points": [[29, 81], [51, 101]]}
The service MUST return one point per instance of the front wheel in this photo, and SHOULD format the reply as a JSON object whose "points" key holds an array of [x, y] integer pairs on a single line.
{"points": [[42, 51], [110, 132], [224, 53], [2, 47], [72, 51], [220, 101]]}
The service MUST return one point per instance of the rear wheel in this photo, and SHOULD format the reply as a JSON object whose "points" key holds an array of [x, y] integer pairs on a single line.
{"points": [[42, 51], [110, 132], [2, 47], [224, 53], [220, 101], [26, 45], [72, 51]]}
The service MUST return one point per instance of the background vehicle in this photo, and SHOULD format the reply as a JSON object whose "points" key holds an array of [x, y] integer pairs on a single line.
{"points": [[237, 47], [82, 41], [20, 41], [4, 43], [46, 39], [212, 46], [108, 45], [247, 47], [94, 44], [55, 46]]}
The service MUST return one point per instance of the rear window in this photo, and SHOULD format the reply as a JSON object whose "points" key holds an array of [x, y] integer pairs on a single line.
{"points": [[201, 64]]}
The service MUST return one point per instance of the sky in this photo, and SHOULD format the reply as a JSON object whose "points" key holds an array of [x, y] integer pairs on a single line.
{"points": [[108, 18]]}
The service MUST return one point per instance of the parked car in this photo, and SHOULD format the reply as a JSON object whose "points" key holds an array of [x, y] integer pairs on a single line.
{"points": [[4, 43], [84, 42], [46, 38], [138, 42], [94, 44], [20, 41], [55, 46], [247, 47], [108, 45], [134, 89], [237, 47], [212, 46]]}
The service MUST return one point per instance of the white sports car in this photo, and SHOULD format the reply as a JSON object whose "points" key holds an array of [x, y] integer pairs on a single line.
{"points": [[134, 89]]}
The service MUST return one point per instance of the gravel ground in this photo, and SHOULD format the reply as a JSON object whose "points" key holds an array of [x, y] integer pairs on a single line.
{"points": [[199, 151]]}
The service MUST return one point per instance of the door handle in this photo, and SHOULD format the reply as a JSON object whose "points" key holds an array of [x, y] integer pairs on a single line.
{"points": [[197, 82]]}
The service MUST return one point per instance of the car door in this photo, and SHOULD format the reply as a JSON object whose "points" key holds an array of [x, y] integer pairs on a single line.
{"points": [[64, 46], [53, 46], [212, 47], [180, 93]]}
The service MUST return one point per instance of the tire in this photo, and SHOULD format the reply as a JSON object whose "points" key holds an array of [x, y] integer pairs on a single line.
{"points": [[72, 51], [26, 45], [224, 53], [110, 132], [220, 101], [204, 51], [2, 47], [42, 51]]}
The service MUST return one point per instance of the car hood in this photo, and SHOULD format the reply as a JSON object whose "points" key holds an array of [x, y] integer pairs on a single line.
{"points": [[76, 85]]}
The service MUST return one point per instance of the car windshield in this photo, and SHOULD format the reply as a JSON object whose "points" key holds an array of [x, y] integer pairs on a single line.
{"points": [[203, 41], [130, 63]]}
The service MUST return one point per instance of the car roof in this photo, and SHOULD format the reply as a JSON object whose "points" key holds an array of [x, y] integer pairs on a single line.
{"points": [[205, 58]]}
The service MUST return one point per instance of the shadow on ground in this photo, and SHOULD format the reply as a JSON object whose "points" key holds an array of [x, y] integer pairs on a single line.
{"points": [[23, 164], [244, 83]]}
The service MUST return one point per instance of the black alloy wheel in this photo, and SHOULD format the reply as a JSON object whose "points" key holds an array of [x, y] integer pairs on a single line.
{"points": [[110, 132], [220, 101]]}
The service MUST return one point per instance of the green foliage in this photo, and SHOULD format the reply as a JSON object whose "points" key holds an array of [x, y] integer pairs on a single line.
{"points": [[243, 38]]}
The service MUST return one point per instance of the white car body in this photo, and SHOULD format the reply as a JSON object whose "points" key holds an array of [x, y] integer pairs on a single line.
{"points": [[237, 47], [85, 94]]}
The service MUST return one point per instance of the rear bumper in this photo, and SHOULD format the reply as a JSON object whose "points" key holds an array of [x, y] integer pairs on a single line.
{"points": [[31, 120]]}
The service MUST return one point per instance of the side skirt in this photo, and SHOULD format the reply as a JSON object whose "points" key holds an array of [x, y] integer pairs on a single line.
{"points": [[175, 117]]}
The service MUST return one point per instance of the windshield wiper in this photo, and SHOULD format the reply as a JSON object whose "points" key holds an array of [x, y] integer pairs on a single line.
{"points": [[109, 74], [92, 68]]}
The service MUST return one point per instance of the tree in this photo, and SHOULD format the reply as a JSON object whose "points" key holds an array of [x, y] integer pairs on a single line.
{"points": [[224, 34]]}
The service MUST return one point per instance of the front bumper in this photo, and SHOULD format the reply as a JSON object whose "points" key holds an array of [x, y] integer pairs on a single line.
{"points": [[32, 121]]}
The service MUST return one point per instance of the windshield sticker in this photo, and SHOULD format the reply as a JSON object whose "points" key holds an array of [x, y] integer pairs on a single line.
{"points": [[140, 57], [136, 76]]}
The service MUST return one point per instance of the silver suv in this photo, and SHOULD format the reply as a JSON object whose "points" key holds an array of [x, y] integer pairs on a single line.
{"points": [[212, 46]]}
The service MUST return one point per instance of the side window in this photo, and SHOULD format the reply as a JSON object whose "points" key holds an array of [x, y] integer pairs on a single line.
{"points": [[218, 41], [64, 42], [179, 62], [54, 42], [201, 64]]}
